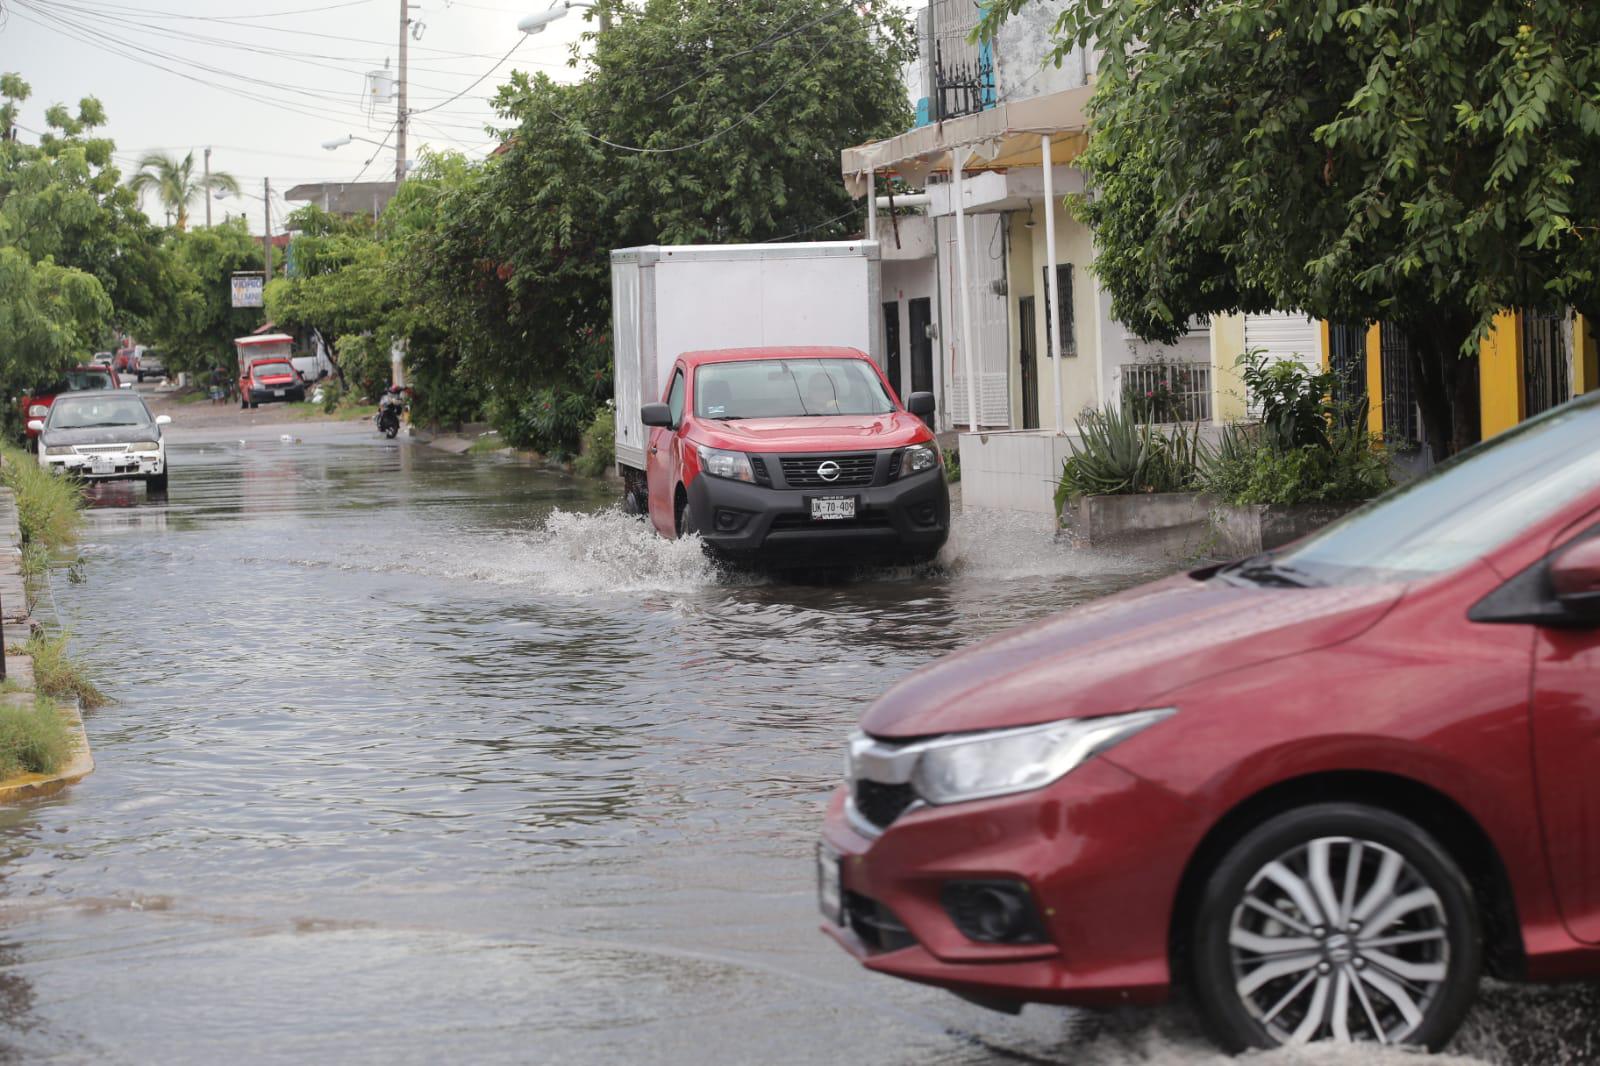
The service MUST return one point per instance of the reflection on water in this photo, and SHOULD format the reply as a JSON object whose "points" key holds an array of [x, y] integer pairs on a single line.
{"points": [[417, 757]]}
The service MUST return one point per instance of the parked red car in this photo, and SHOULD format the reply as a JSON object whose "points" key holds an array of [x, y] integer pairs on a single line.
{"points": [[79, 379], [798, 454], [268, 379], [1322, 790]]}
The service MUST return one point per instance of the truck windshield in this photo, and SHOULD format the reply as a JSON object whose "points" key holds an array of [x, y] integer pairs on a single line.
{"points": [[789, 388]]}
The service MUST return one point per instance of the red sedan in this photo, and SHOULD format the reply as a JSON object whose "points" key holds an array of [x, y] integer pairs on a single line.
{"points": [[1321, 790], [36, 405]]}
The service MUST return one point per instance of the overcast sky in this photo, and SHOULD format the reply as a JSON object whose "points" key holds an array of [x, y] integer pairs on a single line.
{"points": [[265, 82]]}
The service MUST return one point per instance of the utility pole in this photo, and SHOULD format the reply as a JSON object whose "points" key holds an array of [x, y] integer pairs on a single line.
{"points": [[207, 188], [400, 119], [266, 232]]}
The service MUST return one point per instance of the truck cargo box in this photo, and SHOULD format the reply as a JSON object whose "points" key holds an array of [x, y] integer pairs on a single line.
{"points": [[671, 299]]}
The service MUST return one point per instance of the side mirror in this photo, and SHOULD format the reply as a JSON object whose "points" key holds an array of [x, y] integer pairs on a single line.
{"points": [[656, 414], [920, 404], [36, 424], [1575, 580], [163, 420]]}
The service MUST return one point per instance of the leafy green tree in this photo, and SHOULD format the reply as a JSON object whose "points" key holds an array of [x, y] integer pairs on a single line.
{"points": [[62, 200], [195, 331], [700, 121], [176, 184], [1414, 161]]}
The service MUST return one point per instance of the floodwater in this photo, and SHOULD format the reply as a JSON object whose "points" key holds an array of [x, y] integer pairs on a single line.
{"points": [[418, 757]]}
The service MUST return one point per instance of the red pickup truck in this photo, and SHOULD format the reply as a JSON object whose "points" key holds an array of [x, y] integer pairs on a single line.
{"points": [[798, 455], [268, 379]]}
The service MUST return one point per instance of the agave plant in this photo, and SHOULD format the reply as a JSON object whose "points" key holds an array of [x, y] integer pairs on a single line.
{"points": [[1119, 454]]}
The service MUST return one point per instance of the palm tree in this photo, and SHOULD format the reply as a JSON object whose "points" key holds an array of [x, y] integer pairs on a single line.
{"points": [[177, 184]]}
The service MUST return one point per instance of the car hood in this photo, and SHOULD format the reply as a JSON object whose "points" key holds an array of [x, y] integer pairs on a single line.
{"points": [[822, 433], [101, 435], [1123, 653]]}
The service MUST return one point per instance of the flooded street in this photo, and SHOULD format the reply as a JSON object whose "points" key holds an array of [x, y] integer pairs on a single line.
{"points": [[425, 757]]}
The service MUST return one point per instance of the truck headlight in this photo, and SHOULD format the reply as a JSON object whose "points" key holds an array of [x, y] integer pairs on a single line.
{"points": [[732, 465], [918, 458], [59, 449], [145, 446], [1006, 761]]}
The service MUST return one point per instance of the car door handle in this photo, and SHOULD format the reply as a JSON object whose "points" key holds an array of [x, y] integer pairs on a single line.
{"points": [[653, 449]]}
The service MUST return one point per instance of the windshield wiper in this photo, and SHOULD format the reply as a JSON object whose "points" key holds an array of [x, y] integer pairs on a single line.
{"points": [[1265, 570]]}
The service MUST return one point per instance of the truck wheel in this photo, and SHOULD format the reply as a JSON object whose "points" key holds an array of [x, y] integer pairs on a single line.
{"points": [[687, 522], [1335, 921]]}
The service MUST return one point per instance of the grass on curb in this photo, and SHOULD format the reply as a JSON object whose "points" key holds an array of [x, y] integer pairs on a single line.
{"points": [[57, 673], [49, 508], [34, 738], [488, 443]]}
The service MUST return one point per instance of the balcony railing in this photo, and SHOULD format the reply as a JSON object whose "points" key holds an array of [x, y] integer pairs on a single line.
{"points": [[962, 86]]}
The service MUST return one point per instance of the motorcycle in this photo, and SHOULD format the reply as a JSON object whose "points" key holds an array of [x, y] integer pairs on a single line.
{"points": [[390, 407]]}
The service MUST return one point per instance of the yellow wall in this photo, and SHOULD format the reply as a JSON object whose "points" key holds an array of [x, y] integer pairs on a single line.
{"points": [[1586, 360], [1227, 388], [1500, 375], [1375, 379]]}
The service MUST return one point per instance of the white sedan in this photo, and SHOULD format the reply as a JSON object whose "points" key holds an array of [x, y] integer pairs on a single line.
{"points": [[104, 436]]}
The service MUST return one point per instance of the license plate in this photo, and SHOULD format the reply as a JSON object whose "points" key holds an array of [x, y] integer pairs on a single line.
{"points": [[102, 466], [832, 508], [278, 392], [830, 894]]}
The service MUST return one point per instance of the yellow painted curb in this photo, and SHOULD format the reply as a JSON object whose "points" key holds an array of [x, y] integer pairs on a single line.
{"points": [[80, 766]]}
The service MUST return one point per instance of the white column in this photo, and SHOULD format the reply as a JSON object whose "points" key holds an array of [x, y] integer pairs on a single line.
{"points": [[963, 279], [1052, 287]]}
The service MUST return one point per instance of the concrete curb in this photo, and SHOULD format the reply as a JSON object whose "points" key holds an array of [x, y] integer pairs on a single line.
{"points": [[19, 669]]}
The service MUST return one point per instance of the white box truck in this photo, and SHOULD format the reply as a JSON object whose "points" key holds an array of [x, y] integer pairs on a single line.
{"points": [[671, 299]]}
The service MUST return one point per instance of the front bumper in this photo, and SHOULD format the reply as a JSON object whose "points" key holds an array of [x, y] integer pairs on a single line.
{"points": [[291, 394], [906, 517], [1101, 852], [114, 466]]}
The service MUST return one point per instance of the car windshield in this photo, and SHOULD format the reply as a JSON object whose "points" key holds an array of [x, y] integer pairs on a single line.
{"points": [[789, 388], [1463, 509], [273, 370], [84, 412], [85, 380]]}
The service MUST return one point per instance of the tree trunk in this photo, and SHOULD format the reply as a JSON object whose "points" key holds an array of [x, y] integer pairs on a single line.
{"points": [[1445, 381]]}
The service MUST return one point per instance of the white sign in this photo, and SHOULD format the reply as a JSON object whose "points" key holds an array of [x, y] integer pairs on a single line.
{"points": [[247, 290]]}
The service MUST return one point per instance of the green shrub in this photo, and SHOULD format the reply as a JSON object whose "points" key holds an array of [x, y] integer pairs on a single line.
{"points": [[56, 673], [331, 395], [33, 738], [1117, 454], [1308, 447], [49, 507], [1349, 468], [952, 465], [598, 453]]}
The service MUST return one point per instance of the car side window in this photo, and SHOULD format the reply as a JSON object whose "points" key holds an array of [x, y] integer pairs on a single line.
{"points": [[675, 399]]}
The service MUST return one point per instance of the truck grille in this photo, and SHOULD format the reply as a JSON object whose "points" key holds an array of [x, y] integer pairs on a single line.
{"points": [[881, 804], [854, 471]]}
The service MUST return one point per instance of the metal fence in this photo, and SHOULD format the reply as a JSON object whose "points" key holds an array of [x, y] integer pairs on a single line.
{"points": [[1546, 377], [1168, 392]]}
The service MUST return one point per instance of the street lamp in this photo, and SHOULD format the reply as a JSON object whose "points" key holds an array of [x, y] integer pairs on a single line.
{"points": [[536, 22], [340, 142]]}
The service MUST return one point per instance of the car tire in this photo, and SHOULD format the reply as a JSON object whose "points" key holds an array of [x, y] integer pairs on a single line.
{"points": [[1276, 959], [687, 522], [156, 485]]}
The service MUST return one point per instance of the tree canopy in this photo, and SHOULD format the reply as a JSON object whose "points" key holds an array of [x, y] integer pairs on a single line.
{"points": [[1420, 162]]}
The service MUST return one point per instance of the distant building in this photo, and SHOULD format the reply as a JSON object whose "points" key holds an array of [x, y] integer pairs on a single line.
{"points": [[345, 198]]}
